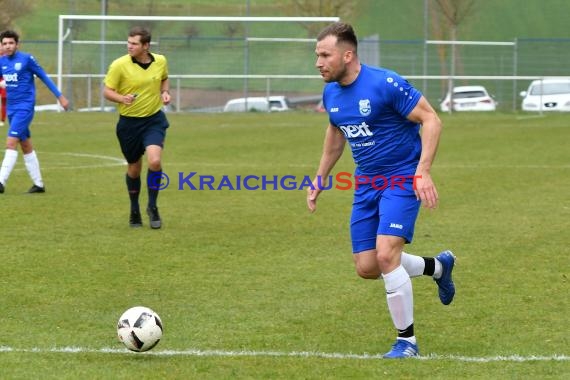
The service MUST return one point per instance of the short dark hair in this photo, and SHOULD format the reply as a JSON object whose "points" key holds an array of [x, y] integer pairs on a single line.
{"points": [[9, 34], [141, 31], [343, 32]]}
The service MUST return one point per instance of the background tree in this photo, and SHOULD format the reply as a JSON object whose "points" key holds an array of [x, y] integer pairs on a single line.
{"points": [[319, 8], [191, 31], [11, 10], [233, 29], [453, 13]]}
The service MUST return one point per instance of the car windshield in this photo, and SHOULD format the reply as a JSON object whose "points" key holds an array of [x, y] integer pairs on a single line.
{"points": [[550, 89], [468, 94]]}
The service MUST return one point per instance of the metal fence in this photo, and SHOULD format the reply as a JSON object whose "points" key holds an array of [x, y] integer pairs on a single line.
{"points": [[206, 72]]}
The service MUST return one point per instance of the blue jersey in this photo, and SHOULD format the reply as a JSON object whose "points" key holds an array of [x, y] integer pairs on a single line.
{"points": [[18, 71], [371, 112]]}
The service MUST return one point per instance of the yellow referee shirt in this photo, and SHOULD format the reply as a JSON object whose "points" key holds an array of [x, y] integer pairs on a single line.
{"points": [[127, 77]]}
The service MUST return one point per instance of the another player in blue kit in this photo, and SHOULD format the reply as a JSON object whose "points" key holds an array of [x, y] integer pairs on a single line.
{"points": [[19, 70], [380, 114]]}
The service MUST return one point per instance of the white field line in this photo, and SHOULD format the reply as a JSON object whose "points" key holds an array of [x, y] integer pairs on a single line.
{"points": [[193, 165], [491, 166], [104, 161], [526, 117], [299, 354], [95, 156], [108, 161]]}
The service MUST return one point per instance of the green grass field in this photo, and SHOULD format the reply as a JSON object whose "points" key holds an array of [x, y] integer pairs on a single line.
{"points": [[250, 285]]}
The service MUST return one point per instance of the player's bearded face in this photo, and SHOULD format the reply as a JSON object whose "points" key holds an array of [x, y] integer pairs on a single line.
{"points": [[337, 72], [330, 62]]}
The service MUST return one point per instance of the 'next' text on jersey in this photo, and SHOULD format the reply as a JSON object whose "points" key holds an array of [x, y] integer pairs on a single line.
{"points": [[372, 114], [18, 71]]}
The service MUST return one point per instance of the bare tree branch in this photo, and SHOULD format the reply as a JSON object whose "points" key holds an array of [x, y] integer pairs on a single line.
{"points": [[11, 10], [456, 11], [345, 9]]}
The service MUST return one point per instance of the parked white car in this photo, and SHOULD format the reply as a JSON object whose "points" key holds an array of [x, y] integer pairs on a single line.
{"points": [[547, 95], [98, 109], [260, 104], [48, 107], [469, 98]]}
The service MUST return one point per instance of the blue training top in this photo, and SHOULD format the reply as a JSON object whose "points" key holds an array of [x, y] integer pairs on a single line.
{"points": [[371, 112], [18, 71]]}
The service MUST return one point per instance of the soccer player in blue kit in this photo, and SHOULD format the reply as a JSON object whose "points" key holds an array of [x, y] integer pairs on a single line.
{"points": [[19, 69], [379, 113]]}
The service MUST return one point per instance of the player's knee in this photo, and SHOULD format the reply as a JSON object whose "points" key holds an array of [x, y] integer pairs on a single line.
{"points": [[134, 171], [367, 272], [12, 143], [385, 260], [154, 164]]}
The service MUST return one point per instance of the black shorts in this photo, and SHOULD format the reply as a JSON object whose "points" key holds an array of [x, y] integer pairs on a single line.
{"points": [[136, 133]]}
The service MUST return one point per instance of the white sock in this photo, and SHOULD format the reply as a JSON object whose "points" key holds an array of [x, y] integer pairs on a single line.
{"points": [[10, 158], [33, 166], [414, 265], [438, 269], [400, 297]]}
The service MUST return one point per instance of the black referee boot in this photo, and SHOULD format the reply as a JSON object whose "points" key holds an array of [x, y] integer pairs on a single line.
{"points": [[155, 222], [135, 220]]}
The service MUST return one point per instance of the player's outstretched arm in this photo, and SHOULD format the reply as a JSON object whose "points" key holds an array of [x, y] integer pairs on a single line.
{"points": [[424, 187], [63, 101], [332, 150], [38, 70]]}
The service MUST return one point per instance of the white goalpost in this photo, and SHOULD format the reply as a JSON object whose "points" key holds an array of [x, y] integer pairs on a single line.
{"points": [[64, 32]]}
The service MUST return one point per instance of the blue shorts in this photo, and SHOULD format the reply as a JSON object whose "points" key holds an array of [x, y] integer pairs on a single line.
{"points": [[385, 208], [136, 133], [20, 121]]}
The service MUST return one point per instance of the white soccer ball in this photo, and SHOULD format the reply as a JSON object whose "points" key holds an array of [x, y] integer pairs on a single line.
{"points": [[139, 328]]}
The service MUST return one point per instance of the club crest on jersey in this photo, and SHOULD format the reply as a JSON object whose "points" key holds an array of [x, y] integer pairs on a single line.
{"points": [[18, 66], [364, 107]]}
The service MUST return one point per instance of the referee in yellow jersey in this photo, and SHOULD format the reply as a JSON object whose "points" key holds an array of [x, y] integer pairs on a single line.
{"points": [[138, 82]]}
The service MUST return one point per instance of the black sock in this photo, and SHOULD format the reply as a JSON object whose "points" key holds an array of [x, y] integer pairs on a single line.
{"points": [[134, 188], [153, 182], [408, 332], [429, 269]]}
